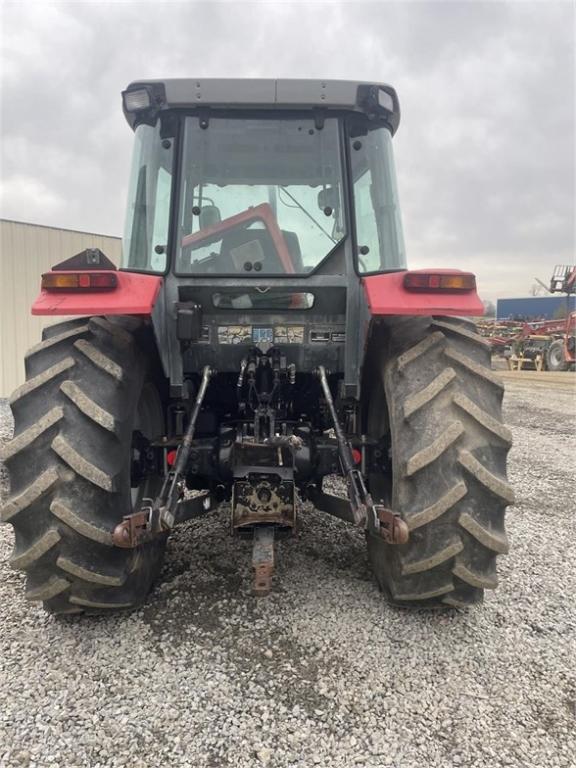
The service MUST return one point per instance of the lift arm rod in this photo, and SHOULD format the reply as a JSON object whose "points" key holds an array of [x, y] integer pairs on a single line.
{"points": [[170, 493], [375, 517], [160, 515]]}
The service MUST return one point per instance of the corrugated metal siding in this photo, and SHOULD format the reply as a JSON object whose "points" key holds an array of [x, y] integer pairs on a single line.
{"points": [[26, 251]]}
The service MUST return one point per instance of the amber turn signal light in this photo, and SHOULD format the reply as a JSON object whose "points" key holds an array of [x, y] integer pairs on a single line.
{"points": [[79, 281], [450, 282]]}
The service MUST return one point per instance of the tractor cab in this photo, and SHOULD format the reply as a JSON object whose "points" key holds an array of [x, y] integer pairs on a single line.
{"points": [[253, 179], [263, 196]]}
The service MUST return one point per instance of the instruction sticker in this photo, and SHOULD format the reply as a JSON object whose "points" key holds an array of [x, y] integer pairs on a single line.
{"points": [[234, 334], [289, 334]]}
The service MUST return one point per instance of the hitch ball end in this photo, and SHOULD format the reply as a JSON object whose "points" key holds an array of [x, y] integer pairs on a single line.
{"points": [[392, 528], [400, 531], [121, 536]]}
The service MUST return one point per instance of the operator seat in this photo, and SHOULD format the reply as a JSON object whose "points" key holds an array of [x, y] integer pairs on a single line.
{"points": [[209, 215]]}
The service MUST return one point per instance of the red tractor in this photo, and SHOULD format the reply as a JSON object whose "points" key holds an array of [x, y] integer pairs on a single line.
{"points": [[262, 333]]}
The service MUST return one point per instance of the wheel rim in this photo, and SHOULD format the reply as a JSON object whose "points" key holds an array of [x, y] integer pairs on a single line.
{"points": [[556, 355]]}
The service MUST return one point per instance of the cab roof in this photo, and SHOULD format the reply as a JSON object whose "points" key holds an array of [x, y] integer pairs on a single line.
{"points": [[301, 94]]}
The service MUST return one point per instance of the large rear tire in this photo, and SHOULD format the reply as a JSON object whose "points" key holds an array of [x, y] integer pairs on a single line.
{"points": [[87, 393], [438, 405]]}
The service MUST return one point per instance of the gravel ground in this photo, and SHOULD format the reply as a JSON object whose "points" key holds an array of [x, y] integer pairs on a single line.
{"points": [[322, 672]]}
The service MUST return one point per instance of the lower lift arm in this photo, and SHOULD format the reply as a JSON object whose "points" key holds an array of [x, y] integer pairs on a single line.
{"points": [[360, 509], [166, 509]]}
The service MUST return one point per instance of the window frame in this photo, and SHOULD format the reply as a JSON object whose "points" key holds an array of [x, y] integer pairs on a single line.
{"points": [[345, 120], [175, 139], [348, 123]]}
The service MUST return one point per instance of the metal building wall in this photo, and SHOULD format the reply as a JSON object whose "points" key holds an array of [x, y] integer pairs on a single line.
{"points": [[27, 250], [535, 307]]}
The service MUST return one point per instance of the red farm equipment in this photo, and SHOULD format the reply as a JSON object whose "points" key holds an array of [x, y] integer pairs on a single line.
{"points": [[262, 333], [548, 345], [561, 354]]}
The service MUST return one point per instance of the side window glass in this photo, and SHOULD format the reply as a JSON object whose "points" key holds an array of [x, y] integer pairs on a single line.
{"points": [[161, 219], [379, 238], [366, 229], [145, 240]]}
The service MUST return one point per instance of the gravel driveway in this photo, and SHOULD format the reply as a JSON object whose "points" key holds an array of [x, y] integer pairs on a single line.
{"points": [[322, 672]]}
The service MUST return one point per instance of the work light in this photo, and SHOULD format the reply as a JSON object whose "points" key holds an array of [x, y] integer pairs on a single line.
{"points": [[136, 100], [385, 100]]}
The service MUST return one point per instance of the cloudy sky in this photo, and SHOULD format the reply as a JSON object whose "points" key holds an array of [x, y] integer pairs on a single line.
{"points": [[485, 150]]}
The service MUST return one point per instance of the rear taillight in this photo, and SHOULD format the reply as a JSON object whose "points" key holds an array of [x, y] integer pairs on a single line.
{"points": [[450, 282], [79, 281]]}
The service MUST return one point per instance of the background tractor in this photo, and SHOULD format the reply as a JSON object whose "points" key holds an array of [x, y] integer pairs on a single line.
{"points": [[262, 333]]}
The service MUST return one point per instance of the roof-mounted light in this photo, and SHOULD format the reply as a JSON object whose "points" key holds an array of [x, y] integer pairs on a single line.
{"points": [[380, 102], [136, 100], [385, 100]]}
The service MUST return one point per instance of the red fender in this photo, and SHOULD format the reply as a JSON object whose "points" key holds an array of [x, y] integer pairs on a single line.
{"points": [[386, 295], [135, 294]]}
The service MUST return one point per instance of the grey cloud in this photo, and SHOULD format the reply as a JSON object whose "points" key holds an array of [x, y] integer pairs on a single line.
{"points": [[485, 150]]}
